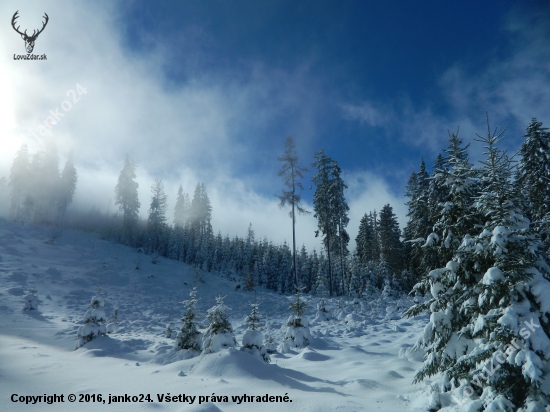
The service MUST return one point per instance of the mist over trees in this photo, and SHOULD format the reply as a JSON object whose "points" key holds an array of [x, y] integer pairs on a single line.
{"points": [[40, 193], [441, 211], [126, 198]]}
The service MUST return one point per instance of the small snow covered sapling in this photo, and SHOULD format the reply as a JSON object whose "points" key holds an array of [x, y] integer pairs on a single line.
{"points": [[31, 300], [269, 341], [112, 326], [219, 334], [322, 314], [297, 335], [253, 339], [94, 322], [321, 306], [270, 344], [189, 337], [356, 306], [387, 292], [169, 330], [341, 311]]}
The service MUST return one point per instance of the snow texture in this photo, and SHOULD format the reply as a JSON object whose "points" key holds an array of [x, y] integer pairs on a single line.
{"points": [[345, 368]]}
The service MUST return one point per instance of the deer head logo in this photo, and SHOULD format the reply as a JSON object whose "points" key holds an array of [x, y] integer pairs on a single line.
{"points": [[29, 40]]}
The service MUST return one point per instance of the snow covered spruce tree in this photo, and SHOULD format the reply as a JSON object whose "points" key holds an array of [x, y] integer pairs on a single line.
{"points": [[169, 330], [94, 322], [189, 337], [331, 211], [219, 334], [297, 334], [182, 209], [487, 339], [31, 300], [253, 339], [437, 195], [391, 248], [126, 197], [457, 216], [67, 187], [322, 314], [19, 181], [533, 175], [112, 326], [156, 238], [418, 226]]}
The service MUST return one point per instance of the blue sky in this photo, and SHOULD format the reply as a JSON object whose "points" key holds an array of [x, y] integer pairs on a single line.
{"points": [[209, 90]]}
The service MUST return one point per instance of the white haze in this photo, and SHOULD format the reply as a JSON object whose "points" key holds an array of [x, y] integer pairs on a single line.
{"points": [[203, 130]]}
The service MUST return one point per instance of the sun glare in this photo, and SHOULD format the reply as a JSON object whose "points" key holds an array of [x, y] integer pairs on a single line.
{"points": [[9, 142]]}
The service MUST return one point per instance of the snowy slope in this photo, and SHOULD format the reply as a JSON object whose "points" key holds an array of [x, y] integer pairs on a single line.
{"points": [[347, 367]]}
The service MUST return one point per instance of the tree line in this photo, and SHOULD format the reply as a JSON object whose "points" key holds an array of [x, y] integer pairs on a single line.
{"points": [[384, 255], [40, 192]]}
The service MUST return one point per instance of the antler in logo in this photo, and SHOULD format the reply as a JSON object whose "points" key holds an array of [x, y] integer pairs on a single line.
{"points": [[29, 40]]}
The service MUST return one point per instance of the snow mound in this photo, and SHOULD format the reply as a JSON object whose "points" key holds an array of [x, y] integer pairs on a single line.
{"points": [[253, 338], [354, 318], [321, 317], [391, 375], [362, 384], [311, 355], [230, 363]]}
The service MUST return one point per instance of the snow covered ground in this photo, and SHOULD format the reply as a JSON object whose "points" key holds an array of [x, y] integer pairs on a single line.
{"points": [[348, 367]]}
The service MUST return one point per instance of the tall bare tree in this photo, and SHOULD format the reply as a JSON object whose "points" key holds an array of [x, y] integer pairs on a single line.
{"points": [[292, 172]]}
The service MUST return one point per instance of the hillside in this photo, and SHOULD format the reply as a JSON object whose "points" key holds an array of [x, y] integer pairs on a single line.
{"points": [[348, 367]]}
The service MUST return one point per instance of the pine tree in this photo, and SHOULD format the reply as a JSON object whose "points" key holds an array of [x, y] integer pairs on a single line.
{"points": [[45, 184], [489, 315], [35, 185], [458, 216], [94, 322], [419, 225], [322, 281], [67, 188], [219, 334], [189, 337], [126, 197], [368, 243], [357, 281], [322, 206], [156, 222], [391, 249], [112, 326], [304, 269], [253, 338], [297, 335], [292, 172], [200, 214], [182, 209], [19, 181], [286, 275], [331, 212], [340, 210], [437, 195], [363, 239], [31, 300], [533, 176]]}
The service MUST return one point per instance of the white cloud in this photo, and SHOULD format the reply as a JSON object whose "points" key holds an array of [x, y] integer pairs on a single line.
{"points": [[202, 130], [367, 113], [368, 192]]}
